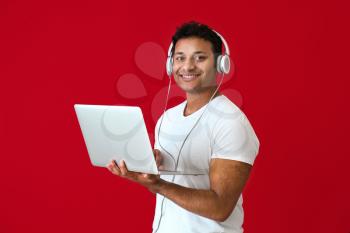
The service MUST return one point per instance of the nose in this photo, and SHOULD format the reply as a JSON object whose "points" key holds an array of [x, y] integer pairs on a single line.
{"points": [[189, 65]]}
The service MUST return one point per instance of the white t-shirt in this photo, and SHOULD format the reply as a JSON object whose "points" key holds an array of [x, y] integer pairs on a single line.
{"points": [[222, 132]]}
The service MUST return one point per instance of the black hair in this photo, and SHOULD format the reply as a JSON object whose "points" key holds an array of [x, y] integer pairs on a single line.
{"points": [[195, 29]]}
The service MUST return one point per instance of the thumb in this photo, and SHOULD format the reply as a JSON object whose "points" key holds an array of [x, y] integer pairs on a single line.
{"points": [[158, 157]]}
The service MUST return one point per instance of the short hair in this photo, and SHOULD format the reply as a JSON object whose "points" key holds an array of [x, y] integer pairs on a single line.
{"points": [[195, 29]]}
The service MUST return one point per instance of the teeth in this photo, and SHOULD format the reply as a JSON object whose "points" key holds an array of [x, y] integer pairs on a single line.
{"points": [[192, 76]]}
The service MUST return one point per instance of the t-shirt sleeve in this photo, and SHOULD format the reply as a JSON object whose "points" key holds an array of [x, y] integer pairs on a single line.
{"points": [[235, 139]]}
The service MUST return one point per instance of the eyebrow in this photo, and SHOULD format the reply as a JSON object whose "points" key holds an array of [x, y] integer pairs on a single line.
{"points": [[197, 52]]}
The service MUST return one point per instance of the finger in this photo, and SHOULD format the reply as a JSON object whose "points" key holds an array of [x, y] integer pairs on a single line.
{"points": [[115, 169], [109, 166], [157, 161], [128, 174], [156, 152], [158, 157], [115, 164], [123, 168]]}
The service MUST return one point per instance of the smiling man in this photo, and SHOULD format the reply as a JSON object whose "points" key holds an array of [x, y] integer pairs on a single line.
{"points": [[207, 132]]}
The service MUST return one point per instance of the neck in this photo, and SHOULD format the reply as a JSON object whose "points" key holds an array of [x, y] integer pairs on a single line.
{"points": [[197, 100]]}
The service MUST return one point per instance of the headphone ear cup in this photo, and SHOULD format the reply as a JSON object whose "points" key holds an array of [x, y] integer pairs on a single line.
{"points": [[169, 66], [218, 64], [225, 64]]}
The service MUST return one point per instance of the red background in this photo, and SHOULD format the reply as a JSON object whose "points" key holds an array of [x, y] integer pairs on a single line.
{"points": [[292, 61]]}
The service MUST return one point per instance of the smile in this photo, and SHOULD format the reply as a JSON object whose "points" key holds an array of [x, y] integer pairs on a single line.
{"points": [[188, 77]]}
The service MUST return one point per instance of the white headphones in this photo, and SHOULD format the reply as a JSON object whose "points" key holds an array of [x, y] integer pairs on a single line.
{"points": [[222, 62]]}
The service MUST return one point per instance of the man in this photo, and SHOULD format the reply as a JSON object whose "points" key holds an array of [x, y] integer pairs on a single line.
{"points": [[214, 137]]}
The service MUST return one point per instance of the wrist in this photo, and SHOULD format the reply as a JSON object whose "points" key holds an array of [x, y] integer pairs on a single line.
{"points": [[159, 186]]}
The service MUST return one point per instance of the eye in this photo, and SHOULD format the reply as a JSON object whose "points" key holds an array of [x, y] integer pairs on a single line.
{"points": [[179, 59], [200, 58]]}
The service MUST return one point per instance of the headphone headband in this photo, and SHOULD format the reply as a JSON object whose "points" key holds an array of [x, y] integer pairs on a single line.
{"points": [[227, 50]]}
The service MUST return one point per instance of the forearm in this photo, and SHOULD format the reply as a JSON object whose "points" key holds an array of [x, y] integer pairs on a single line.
{"points": [[227, 179], [206, 203]]}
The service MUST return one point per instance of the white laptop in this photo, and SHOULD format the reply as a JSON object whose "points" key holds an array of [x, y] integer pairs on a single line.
{"points": [[116, 133]]}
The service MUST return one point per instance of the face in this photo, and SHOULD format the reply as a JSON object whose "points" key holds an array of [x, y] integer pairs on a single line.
{"points": [[193, 68]]}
